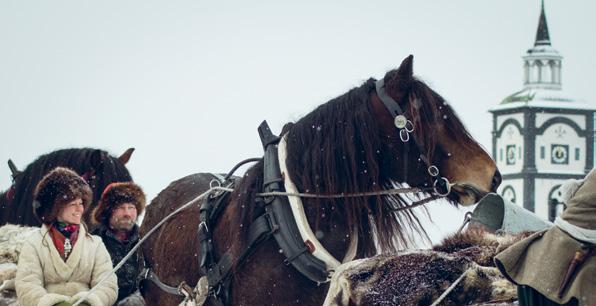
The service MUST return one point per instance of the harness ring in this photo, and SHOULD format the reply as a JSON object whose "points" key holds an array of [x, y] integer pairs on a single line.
{"points": [[447, 187]]}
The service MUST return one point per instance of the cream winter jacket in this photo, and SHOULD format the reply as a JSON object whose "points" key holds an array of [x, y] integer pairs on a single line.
{"points": [[44, 279]]}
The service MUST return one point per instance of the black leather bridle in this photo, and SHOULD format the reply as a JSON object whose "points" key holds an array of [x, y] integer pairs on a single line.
{"points": [[441, 185]]}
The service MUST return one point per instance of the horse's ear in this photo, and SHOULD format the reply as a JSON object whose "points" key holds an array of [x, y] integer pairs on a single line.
{"points": [[13, 168], [406, 69], [399, 81], [125, 157]]}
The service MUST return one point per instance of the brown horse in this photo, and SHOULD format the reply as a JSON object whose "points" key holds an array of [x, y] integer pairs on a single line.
{"points": [[97, 166], [347, 145]]}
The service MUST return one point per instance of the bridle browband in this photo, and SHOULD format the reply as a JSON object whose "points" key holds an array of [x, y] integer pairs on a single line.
{"points": [[440, 184]]}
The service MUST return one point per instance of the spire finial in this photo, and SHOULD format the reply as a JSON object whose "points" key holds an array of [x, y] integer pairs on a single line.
{"points": [[542, 36]]}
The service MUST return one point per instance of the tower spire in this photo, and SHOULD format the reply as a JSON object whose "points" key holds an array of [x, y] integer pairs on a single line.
{"points": [[542, 37]]}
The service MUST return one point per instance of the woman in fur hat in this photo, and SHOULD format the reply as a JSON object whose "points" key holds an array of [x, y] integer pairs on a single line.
{"points": [[61, 263], [558, 266], [116, 216]]}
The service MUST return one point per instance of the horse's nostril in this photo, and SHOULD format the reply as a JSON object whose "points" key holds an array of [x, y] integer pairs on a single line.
{"points": [[497, 179]]}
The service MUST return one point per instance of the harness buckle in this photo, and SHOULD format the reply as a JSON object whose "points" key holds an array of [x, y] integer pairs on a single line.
{"points": [[404, 135], [215, 183], [409, 127], [433, 170], [214, 291], [442, 187], [273, 224], [185, 290], [202, 226]]}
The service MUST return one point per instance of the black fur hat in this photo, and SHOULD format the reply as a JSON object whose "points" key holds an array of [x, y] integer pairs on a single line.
{"points": [[57, 188], [116, 194]]}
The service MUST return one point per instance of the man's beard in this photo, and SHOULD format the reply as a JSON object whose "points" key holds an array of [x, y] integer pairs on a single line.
{"points": [[122, 224]]}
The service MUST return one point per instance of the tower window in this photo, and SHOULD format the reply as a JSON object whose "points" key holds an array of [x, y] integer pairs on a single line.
{"points": [[510, 155], [576, 153], [500, 154], [553, 69], [508, 193], [538, 71], [526, 72], [555, 203], [542, 152]]}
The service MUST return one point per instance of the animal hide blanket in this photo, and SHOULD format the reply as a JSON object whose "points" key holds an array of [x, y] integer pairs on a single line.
{"points": [[11, 241], [420, 277]]}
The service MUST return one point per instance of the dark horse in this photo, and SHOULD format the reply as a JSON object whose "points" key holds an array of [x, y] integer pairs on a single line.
{"points": [[97, 166], [347, 145]]}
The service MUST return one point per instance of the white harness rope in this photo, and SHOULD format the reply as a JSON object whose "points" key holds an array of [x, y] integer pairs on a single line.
{"points": [[306, 233]]}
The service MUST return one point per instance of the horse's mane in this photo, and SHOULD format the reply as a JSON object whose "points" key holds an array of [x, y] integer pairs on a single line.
{"points": [[80, 160], [341, 148]]}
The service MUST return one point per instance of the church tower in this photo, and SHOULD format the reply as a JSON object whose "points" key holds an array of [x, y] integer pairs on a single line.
{"points": [[541, 136]]}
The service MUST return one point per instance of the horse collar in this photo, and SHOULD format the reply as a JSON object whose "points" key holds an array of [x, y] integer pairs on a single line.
{"points": [[292, 232], [306, 233]]}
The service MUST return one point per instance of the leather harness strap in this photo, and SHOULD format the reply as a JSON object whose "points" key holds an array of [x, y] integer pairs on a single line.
{"points": [[148, 274], [219, 269], [273, 218]]}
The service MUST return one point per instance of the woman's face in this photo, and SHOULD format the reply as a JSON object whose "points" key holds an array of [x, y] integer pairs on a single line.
{"points": [[72, 212]]}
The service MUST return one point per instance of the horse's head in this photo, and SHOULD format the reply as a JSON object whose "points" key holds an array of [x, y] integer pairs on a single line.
{"points": [[438, 135], [102, 169], [96, 166], [352, 144]]}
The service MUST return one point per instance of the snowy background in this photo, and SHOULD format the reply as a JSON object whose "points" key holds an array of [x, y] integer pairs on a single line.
{"points": [[187, 82]]}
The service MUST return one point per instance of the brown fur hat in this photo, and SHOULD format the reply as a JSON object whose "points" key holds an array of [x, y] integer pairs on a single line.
{"points": [[57, 188], [116, 194]]}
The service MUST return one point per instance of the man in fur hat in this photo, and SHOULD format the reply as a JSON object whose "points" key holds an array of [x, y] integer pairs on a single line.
{"points": [[115, 217], [558, 266]]}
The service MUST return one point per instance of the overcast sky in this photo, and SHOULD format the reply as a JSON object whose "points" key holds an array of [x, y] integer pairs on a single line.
{"points": [[187, 82]]}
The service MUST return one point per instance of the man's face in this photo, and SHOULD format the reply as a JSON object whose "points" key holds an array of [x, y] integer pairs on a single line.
{"points": [[123, 217]]}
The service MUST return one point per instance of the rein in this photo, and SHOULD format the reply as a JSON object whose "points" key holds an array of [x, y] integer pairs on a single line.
{"points": [[349, 195]]}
